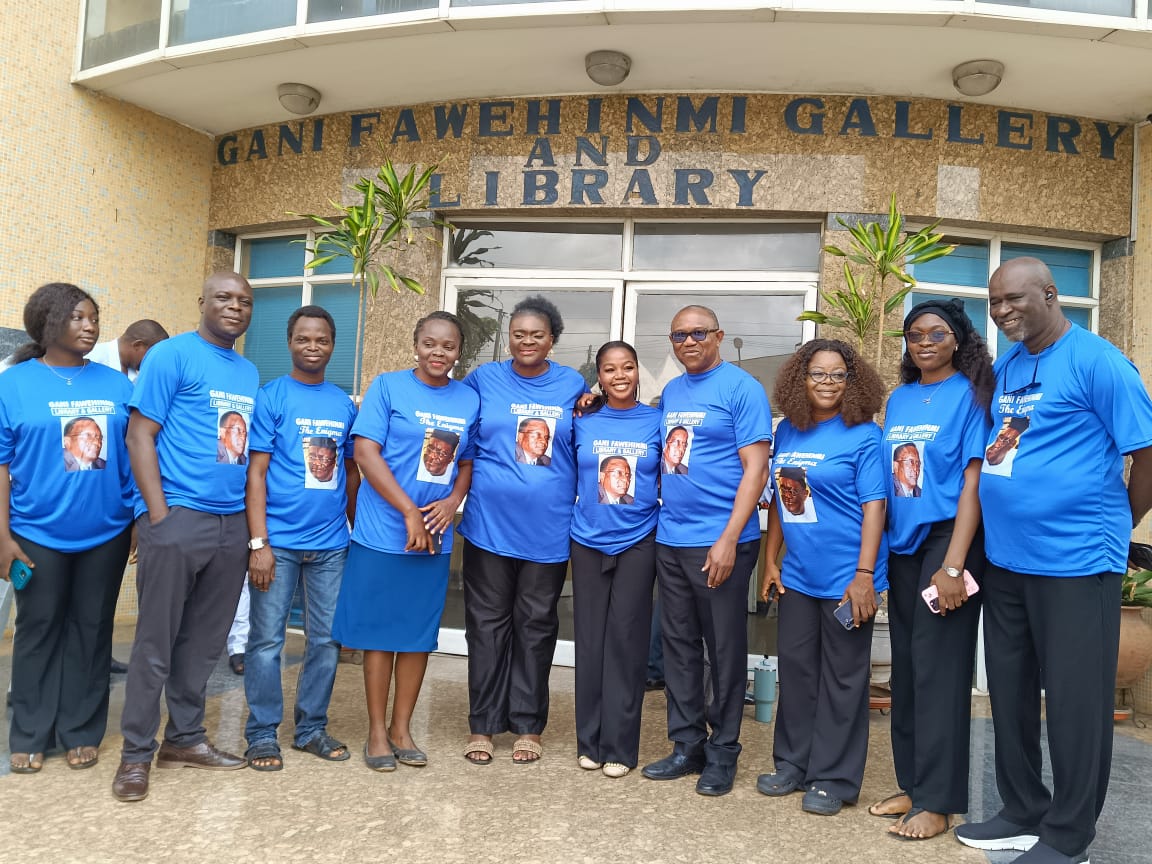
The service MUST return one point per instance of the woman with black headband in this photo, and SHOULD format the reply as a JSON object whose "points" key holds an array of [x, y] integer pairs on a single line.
{"points": [[936, 426]]}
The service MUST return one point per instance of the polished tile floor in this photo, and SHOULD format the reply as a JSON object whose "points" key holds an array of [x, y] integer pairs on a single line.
{"points": [[452, 811]]}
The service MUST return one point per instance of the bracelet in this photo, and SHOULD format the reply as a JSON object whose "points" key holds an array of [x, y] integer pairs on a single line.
{"points": [[865, 570]]}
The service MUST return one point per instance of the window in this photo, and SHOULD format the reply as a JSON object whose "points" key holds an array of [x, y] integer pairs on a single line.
{"points": [[965, 273], [281, 284]]}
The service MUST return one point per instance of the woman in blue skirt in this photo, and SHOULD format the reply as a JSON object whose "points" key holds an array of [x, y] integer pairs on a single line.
{"points": [[412, 439]]}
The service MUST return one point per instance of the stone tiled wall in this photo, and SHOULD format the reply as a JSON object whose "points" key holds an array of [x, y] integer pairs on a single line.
{"points": [[95, 191]]}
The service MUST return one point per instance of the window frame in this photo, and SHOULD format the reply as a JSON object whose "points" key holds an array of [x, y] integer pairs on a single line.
{"points": [[307, 281]]}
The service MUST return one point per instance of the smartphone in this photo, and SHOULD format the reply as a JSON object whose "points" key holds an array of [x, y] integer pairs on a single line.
{"points": [[932, 596], [843, 614], [437, 542], [19, 574]]}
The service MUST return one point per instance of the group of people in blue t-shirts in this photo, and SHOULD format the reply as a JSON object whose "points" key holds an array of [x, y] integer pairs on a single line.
{"points": [[949, 506]]}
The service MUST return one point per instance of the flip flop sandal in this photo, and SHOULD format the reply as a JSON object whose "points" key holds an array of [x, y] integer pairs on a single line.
{"points": [[479, 747], [526, 745], [75, 758], [31, 767], [264, 750], [916, 811], [897, 796], [325, 746]]}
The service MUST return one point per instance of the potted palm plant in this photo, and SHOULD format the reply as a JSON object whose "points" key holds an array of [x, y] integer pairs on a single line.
{"points": [[1135, 635]]}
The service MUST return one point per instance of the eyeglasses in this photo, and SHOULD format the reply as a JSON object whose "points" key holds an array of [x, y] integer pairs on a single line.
{"points": [[1032, 385], [837, 377], [679, 336], [915, 337]]}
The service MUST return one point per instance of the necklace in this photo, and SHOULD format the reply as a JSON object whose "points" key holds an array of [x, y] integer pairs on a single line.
{"points": [[66, 379], [928, 401]]}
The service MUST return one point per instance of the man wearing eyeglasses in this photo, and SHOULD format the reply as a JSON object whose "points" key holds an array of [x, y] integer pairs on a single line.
{"points": [[906, 471], [707, 541], [1055, 557]]}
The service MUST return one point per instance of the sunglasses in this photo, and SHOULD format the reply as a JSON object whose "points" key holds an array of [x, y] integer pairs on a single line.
{"points": [[679, 336], [915, 337]]}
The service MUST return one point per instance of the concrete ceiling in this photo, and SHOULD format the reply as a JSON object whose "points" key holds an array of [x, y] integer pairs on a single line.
{"points": [[1096, 72]]}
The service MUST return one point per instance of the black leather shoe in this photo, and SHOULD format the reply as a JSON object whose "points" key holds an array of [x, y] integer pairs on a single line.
{"points": [[716, 779], [675, 766]]}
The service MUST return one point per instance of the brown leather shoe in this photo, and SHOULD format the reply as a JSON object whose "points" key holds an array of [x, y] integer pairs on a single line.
{"points": [[131, 781], [202, 755]]}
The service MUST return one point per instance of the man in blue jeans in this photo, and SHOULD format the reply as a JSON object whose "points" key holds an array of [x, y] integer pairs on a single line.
{"points": [[301, 497]]}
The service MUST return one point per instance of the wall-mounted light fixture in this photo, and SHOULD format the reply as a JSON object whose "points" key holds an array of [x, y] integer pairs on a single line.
{"points": [[608, 68], [298, 98], [978, 77]]}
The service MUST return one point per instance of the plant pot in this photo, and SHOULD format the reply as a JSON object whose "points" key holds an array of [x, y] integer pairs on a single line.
{"points": [[1135, 647]]}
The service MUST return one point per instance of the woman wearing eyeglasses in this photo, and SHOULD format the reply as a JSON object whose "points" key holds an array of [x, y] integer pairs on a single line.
{"points": [[935, 429], [830, 485]]}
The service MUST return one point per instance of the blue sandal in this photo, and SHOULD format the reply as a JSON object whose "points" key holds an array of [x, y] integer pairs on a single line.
{"points": [[325, 746], [264, 750]]}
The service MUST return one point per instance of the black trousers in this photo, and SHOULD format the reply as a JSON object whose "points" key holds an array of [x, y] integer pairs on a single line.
{"points": [[62, 648], [188, 580], [612, 612], [1061, 634], [696, 617], [821, 736], [510, 625], [932, 661]]}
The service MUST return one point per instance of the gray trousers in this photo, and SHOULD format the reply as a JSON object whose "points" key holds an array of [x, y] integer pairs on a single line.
{"points": [[191, 570]]}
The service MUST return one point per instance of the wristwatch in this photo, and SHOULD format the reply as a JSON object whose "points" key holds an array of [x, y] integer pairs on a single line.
{"points": [[256, 543], [951, 571]]}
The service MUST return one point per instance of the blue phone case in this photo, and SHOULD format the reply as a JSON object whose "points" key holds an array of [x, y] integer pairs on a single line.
{"points": [[843, 614], [19, 573]]}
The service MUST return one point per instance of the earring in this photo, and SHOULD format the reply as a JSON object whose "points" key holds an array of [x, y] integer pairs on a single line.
{"points": [[416, 357]]}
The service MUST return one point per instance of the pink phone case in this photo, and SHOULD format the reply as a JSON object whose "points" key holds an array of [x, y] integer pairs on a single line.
{"points": [[932, 598]]}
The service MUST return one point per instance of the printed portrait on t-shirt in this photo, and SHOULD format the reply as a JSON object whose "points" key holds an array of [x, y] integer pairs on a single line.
{"points": [[534, 441], [677, 447], [320, 455], [907, 467], [615, 483], [765, 496], [232, 438], [437, 456], [83, 442], [796, 504], [1001, 453]]}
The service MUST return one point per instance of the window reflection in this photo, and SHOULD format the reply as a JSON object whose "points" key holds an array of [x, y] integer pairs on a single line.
{"points": [[334, 10], [115, 29], [538, 245], [200, 20], [765, 326], [726, 246]]}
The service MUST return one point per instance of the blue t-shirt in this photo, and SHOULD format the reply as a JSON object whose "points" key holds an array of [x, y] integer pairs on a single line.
{"points": [[522, 496], [64, 448], [934, 431], [203, 396], [423, 433], [713, 414], [618, 475], [308, 430], [823, 477], [1052, 485]]}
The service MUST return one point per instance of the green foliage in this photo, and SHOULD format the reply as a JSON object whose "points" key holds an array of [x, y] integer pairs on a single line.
{"points": [[881, 253], [479, 328], [381, 220], [1136, 588]]}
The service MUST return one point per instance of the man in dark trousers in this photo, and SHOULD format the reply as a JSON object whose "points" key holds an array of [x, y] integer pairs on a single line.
{"points": [[192, 534], [1055, 555], [707, 541]]}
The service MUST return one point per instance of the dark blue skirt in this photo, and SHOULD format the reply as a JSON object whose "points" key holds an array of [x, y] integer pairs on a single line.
{"points": [[390, 602]]}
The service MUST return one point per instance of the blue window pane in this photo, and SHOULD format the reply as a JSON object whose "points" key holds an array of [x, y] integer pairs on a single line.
{"points": [[1079, 316], [339, 265], [266, 343], [343, 304], [1071, 268], [967, 265], [333, 10], [271, 257], [977, 309], [200, 20]]}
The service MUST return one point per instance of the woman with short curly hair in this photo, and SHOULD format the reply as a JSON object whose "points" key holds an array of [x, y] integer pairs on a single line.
{"points": [[935, 430], [830, 487], [64, 512]]}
